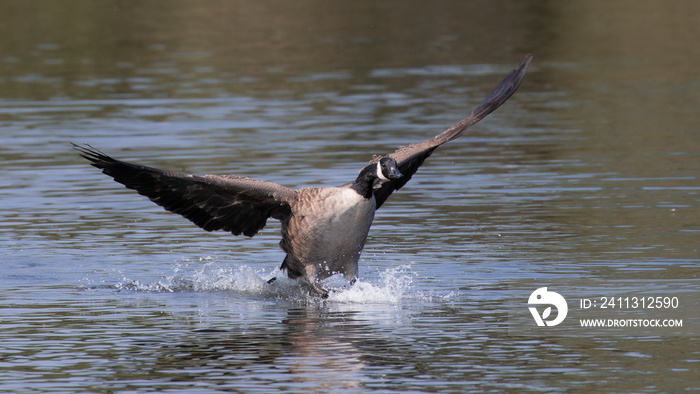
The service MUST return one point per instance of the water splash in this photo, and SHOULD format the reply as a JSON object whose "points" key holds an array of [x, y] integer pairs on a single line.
{"points": [[391, 287], [208, 277]]}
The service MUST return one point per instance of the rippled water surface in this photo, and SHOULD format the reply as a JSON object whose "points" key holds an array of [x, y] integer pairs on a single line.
{"points": [[589, 172]]}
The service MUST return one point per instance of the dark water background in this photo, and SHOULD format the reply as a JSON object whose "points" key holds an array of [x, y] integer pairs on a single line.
{"points": [[590, 171]]}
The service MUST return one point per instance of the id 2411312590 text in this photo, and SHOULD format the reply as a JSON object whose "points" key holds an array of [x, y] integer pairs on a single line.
{"points": [[642, 302]]}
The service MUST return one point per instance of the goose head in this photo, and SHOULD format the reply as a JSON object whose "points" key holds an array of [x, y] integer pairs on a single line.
{"points": [[388, 169], [385, 170]]}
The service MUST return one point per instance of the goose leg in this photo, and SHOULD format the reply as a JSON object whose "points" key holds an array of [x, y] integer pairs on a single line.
{"points": [[310, 274]]}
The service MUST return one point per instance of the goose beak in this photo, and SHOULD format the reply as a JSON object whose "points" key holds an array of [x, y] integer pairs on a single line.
{"points": [[395, 174]]}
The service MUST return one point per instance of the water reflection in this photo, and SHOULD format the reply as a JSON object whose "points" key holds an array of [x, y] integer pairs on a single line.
{"points": [[308, 348]]}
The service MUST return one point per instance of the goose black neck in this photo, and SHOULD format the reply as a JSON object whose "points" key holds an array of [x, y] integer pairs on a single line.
{"points": [[364, 182]]}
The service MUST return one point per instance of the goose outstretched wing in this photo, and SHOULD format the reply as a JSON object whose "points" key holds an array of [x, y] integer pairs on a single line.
{"points": [[230, 203], [410, 157]]}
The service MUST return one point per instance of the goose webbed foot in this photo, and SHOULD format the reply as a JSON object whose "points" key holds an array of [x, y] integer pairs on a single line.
{"points": [[319, 290]]}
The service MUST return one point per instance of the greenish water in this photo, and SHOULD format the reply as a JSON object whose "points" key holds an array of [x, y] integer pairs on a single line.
{"points": [[590, 171]]}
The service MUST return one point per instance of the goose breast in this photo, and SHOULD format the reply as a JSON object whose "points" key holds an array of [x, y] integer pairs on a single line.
{"points": [[328, 228]]}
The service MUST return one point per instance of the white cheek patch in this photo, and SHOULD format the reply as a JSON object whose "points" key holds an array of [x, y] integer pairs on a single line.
{"points": [[380, 175]]}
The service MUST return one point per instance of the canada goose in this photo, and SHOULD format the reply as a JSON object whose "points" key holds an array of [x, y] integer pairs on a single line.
{"points": [[323, 228]]}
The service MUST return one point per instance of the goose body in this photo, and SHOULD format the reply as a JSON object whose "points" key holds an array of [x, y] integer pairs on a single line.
{"points": [[324, 229], [341, 220]]}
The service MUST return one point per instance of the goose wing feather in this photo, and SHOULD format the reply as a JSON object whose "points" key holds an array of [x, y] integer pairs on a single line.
{"points": [[236, 204], [411, 157]]}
